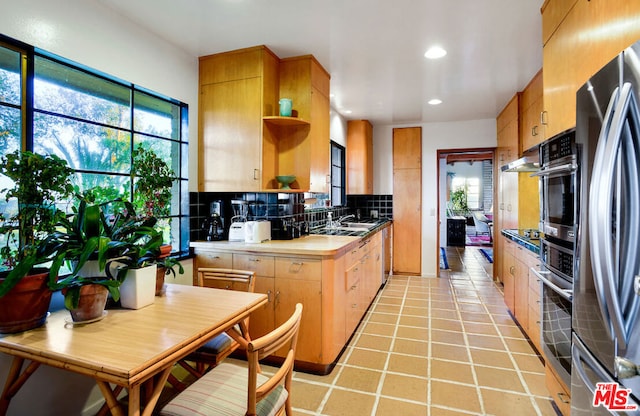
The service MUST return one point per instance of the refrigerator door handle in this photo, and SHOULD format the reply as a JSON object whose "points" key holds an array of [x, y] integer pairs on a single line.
{"points": [[597, 250], [601, 201]]}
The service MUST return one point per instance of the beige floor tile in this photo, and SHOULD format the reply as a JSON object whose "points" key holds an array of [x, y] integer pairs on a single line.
{"points": [[536, 384], [519, 345], [545, 406], [307, 396], [388, 300], [377, 328], [480, 328], [449, 352], [411, 310], [482, 341], [348, 403], [476, 317], [412, 347], [416, 303], [315, 378], [451, 371], [499, 378], [470, 307], [420, 334], [405, 387], [365, 358], [444, 314], [446, 304], [439, 411], [386, 318], [387, 407], [529, 362], [447, 337], [359, 379], [500, 359], [510, 331], [419, 321], [446, 324], [501, 403], [455, 396], [386, 308], [417, 366], [374, 342]]}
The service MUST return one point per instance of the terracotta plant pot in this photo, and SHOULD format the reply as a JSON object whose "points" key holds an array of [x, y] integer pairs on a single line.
{"points": [[93, 299], [26, 305], [160, 273]]}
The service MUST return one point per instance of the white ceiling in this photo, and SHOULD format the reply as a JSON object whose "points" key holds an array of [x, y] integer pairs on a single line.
{"points": [[373, 49]]}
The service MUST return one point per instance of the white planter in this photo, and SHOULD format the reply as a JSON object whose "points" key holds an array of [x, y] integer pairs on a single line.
{"points": [[139, 288]]}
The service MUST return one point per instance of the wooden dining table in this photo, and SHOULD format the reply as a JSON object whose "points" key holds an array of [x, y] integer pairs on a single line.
{"points": [[128, 349]]}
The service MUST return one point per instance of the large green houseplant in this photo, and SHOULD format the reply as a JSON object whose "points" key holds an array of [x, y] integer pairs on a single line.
{"points": [[101, 242], [39, 182]]}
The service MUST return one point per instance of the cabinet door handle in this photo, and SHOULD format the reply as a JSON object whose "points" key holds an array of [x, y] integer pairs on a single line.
{"points": [[269, 296], [256, 174], [543, 118], [255, 260], [277, 298], [563, 398], [512, 270], [534, 131]]}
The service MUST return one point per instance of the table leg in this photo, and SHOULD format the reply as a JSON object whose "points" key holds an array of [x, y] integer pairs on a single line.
{"points": [[15, 380]]}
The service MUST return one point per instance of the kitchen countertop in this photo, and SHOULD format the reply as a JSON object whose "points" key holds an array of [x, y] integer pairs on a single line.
{"points": [[517, 235], [311, 245]]}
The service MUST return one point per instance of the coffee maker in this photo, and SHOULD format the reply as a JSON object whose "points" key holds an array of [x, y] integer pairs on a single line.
{"points": [[214, 225]]}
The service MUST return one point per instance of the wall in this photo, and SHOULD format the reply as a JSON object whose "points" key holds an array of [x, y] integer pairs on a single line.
{"points": [[86, 32], [450, 135]]}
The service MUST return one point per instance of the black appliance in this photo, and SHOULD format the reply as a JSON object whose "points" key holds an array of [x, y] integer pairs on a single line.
{"points": [[282, 229], [214, 225], [606, 286]]}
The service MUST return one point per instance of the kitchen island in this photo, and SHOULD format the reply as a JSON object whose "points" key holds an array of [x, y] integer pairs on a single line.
{"points": [[335, 277]]}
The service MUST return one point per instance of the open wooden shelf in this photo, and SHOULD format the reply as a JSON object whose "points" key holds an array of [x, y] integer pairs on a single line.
{"points": [[285, 121]]}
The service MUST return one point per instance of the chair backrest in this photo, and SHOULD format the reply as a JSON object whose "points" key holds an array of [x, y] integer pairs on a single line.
{"points": [[480, 221], [231, 279], [286, 335]]}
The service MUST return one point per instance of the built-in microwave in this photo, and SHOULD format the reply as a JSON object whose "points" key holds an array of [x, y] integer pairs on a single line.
{"points": [[558, 186]]}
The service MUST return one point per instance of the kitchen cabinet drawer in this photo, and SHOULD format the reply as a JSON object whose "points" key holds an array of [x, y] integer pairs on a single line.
{"points": [[534, 327], [298, 268], [262, 265], [509, 246], [213, 259], [353, 255], [558, 391], [534, 284]]}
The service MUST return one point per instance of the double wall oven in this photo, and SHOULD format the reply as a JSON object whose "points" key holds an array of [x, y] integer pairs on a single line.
{"points": [[559, 186]]}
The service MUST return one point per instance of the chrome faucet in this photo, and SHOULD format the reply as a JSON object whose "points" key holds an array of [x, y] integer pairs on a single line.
{"points": [[344, 218]]}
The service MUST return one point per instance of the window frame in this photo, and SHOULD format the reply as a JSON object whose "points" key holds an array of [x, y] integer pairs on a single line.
{"points": [[179, 218]]}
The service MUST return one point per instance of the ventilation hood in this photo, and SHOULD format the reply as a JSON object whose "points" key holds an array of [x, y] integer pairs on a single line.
{"points": [[524, 164]]}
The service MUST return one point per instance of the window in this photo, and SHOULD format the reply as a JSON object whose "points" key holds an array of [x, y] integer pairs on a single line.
{"points": [[337, 175], [93, 121], [471, 188]]}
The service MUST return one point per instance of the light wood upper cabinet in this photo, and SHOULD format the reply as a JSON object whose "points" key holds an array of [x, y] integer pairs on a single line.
{"points": [[236, 90], [589, 35], [531, 128], [359, 157], [244, 144]]}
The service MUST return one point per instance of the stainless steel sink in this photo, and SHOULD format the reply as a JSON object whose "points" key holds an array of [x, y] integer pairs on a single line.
{"points": [[366, 225], [352, 227]]}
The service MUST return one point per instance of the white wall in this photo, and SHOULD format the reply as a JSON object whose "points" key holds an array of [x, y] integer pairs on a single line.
{"points": [[86, 32], [435, 136]]}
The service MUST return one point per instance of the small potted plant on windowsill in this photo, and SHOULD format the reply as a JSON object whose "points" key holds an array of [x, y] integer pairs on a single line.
{"points": [[153, 182], [39, 182]]}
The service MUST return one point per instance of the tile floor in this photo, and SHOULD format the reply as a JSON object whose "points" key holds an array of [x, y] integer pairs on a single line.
{"points": [[433, 346]]}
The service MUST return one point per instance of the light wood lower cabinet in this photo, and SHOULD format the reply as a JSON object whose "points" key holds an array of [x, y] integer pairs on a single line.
{"points": [[336, 291], [559, 393]]}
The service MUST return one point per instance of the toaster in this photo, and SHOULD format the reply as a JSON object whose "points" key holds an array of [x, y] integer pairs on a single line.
{"points": [[257, 231], [236, 231]]}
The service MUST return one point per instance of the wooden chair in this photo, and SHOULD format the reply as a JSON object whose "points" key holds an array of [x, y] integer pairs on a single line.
{"points": [[220, 347], [231, 389]]}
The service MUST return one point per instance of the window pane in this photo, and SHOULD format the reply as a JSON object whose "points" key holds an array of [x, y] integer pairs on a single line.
{"points": [[156, 116], [84, 146], [165, 149], [104, 187], [9, 76], [67, 91], [10, 130]]}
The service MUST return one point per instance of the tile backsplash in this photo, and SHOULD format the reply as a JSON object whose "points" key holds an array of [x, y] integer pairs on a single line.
{"points": [[280, 205]]}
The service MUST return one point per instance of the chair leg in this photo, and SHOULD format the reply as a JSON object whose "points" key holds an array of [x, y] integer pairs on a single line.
{"points": [[177, 384]]}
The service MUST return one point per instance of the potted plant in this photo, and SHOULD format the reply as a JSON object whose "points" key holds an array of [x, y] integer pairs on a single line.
{"points": [[99, 241], [153, 181], [38, 183]]}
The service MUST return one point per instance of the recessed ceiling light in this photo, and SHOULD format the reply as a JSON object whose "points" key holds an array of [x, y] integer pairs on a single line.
{"points": [[435, 101], [435, 52], [348, 111]]}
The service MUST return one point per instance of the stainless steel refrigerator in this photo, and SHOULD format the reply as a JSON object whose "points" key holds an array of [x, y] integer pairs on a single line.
{"points": [[606, 292]]}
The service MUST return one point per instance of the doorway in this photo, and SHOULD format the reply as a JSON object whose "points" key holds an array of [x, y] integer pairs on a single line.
{"points": [[466, 194]]}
